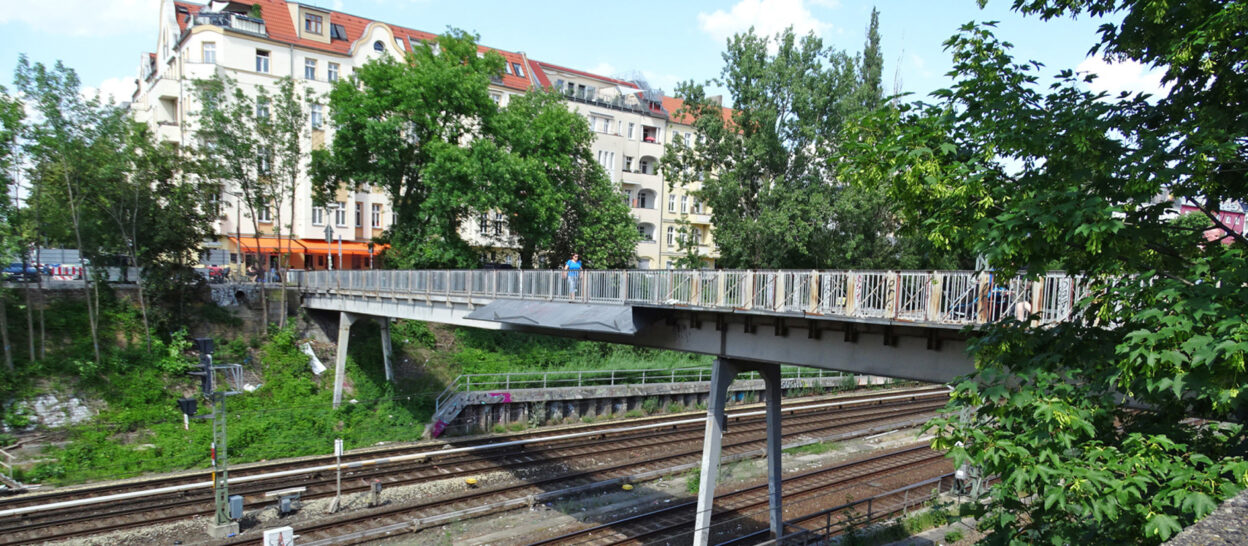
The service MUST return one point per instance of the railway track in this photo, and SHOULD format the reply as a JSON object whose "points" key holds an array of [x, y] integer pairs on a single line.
{"points": [[744, 509], [605, 446], [377, 523]]}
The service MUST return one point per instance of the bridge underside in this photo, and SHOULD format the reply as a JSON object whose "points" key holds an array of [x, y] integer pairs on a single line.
{"points": [[741, 341], [884, 348]]}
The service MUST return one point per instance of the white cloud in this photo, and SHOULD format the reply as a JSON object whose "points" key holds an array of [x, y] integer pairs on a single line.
{"points": [[830, 4], [1114, 78], [603, 69], [118, 90], [666, 82], [91, 18], [766, 16], [920, 65]]}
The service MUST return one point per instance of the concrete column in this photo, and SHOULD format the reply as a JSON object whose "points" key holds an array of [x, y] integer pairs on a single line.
{"points": [[771, 377], [340, 363], [721, 377], [385, 346]]}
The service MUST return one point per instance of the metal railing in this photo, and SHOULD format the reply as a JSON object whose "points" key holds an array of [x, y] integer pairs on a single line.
{"points": [[231, 20], [860, 513], [599, 378], [934, 297]]}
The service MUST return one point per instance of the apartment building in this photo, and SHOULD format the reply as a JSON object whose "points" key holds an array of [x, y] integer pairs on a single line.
{"points": [[256, 43]]}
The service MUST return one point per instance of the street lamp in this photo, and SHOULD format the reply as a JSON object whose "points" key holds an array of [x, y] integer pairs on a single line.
{"points": [[329, 235]]}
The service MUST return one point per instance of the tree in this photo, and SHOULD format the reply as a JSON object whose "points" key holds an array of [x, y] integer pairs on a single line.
{"points": [[11, 117], [231, 129], [1052, 176], [770, 169], [402, 126], [287, 130], [426, 130], [555, 197], [70, 149]]}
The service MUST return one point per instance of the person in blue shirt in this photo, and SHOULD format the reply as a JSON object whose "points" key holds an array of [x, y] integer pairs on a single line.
{"points": [[573, 268]]}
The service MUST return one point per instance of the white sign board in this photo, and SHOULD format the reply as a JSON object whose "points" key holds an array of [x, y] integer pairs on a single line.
{"points": [[338, 447], [281, 536]]}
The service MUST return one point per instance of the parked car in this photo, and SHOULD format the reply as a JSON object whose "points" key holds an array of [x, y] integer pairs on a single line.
{"points": [[19, 272]]}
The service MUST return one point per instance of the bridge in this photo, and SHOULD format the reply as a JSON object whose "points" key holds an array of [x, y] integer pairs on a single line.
{"points": [[904, 324]]}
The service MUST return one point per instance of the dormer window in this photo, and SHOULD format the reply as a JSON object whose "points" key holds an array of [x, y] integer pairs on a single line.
{"points": [[518, 71], [312, 23], [337, 32]]}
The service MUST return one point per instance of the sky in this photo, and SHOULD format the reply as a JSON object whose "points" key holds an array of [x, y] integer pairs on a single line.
{"points": [[665, 42]]}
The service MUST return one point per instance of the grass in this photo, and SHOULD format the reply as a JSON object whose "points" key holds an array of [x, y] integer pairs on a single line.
{"points": [[693, 480], [817, 448]]}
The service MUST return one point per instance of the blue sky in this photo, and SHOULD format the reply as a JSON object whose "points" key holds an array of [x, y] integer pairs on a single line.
{"points": [[665, 42]]}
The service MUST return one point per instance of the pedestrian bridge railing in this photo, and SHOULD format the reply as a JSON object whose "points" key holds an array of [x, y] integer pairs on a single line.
{"points": [[941, 297]]}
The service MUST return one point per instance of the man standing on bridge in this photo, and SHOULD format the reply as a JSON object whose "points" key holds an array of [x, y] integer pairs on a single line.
{"points": [[573, 268]]}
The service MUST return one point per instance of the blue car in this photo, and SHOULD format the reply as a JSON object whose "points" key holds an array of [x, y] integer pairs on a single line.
{"points": [[18, 272]]}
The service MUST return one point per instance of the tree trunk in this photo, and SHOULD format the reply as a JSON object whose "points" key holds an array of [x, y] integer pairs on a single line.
{"points": [[43, 334], [264, 296], [4, 333], [86, 278], [147, 329], [281, 261], [30, 317]]}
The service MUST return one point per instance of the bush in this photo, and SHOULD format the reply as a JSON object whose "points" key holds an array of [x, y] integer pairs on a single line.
{"points": [[693, 480], [650, 406], [953, 537]]}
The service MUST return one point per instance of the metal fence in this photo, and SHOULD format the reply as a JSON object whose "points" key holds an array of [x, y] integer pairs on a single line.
{"points": [[601, 378], [944, 297]]}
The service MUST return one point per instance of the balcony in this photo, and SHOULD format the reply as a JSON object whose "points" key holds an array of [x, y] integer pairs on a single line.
{"points": [[233, 21]]}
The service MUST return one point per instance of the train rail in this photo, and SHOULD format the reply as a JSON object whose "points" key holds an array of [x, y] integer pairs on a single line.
{"points": [[599, 444], [744, 509]]}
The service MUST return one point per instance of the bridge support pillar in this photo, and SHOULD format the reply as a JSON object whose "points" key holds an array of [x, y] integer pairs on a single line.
{"points": [[722, 374], [340, 363], [385, 346]]}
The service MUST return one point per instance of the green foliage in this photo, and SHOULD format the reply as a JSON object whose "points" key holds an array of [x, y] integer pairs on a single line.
{"points": [[953, 536], [772, 173], [1163, 319], [693, 480], [413, 332], [816, 448], [675, 408], [651, 405], [634, 414]]}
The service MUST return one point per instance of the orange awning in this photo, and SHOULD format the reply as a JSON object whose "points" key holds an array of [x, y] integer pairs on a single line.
{"points": [[353, 248], [268, 244]]}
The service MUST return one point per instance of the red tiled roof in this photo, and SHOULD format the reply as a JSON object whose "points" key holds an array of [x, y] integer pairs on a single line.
{"points": [[672, 104], [586, 74], [281, 28]]}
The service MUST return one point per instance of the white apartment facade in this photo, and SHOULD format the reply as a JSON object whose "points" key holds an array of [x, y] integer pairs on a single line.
{"points": [[316, 47]]}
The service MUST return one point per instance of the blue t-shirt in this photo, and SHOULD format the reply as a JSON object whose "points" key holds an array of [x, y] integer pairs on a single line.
{"points": [[574, 267]]}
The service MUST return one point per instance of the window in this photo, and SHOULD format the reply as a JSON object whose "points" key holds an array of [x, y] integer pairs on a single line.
{"points": [[340, 214], [697, 206], [315, 116], [644, 165], [496, 97], [376, 215], [359, 214], [318, 216], [378, 46], [262, 61], [262, 108], [312, 23], [632, 129], [684, 204], [671, 202], [264, 215], [264, 158], [671, 235], [641, 230], [506, 69], [697, 235], [332, 74], [210, 52], [641, 200], [483, 224], [519, 71], [309, 69], [628, 164], [500, 220], [337, 32], [628, 197]]}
